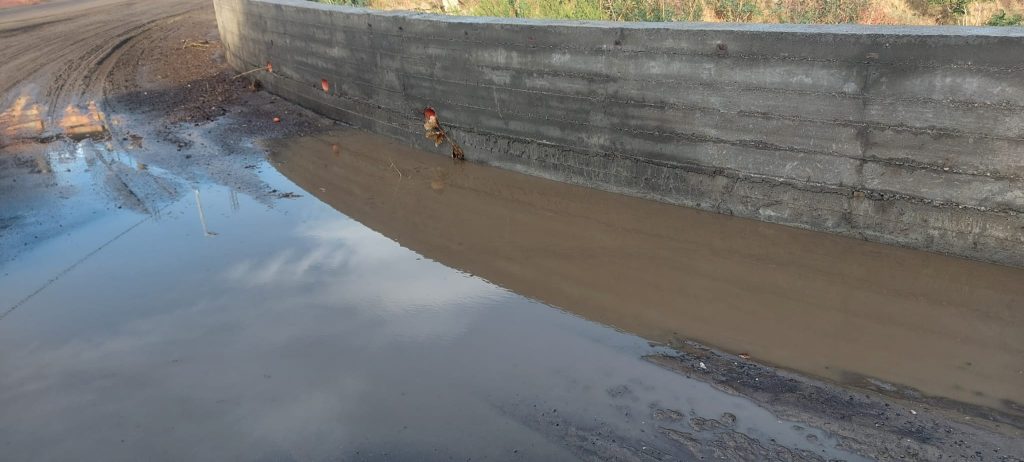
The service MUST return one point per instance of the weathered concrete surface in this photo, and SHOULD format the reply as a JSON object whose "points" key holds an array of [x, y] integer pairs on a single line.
{"points": [[907, 136]]}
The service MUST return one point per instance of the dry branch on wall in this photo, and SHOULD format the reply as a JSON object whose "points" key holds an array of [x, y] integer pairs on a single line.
{"points": [[433, 131]]}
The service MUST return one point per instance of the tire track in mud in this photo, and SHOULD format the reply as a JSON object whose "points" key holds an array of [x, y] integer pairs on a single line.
{"points": [[77, 58], [79, 70], [69, 50], [83, 79], [60, 63], [114, 71], [140, 68]]}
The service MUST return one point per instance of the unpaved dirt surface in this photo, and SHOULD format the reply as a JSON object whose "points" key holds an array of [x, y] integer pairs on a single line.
{"points": [[123, 76], [13, 3], [167, 294], [867, 423]]}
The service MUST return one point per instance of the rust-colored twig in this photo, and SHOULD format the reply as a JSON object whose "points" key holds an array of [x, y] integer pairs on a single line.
{"points": [[268, 68]]}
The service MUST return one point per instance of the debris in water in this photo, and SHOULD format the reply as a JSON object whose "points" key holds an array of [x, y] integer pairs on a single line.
{"points": [[277, 120], [400, 175], [432, 130], [195, 44]]}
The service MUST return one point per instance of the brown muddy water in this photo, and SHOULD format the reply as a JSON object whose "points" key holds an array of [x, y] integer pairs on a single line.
{"points": [[833, 307], [380, 303], [228, 326], [169, 294]]}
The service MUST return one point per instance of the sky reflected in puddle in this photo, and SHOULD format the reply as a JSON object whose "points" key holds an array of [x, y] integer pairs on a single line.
{"points": [[284, 330], [851, 311]]}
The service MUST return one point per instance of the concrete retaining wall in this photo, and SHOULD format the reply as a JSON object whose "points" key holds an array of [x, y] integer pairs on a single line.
{"points": [[907, 136]]}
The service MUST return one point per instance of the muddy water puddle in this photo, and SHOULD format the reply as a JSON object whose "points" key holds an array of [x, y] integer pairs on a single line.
{"points": [[222, 326], [864, 314]]}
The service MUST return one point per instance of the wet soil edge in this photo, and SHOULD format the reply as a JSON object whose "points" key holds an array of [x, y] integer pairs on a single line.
{"points": [[865, 421]]}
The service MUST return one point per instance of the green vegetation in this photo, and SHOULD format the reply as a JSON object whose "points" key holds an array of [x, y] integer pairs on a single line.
{"points": [[783, 11], [737, 10], [952, 10], [1002, 19], [818, 11], [347, 2], [614, 10], [917, 12]]}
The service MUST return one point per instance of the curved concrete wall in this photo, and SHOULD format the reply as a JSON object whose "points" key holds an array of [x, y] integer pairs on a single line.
{"points": [[908, 136]]}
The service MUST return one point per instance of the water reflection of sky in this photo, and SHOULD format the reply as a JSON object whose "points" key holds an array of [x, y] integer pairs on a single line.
{"points": [[295, 333], [343, 260]]}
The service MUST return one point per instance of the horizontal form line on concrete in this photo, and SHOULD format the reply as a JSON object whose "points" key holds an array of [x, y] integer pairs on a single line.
{"points": [[995, 174], [697, 137], [717, 85], [612, 48], [1012, 116], [899, 136], [862, 65], [1003, 248], [413, 128]]}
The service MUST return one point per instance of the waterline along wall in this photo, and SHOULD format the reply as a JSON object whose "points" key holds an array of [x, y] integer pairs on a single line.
{"points": [[907, 136]]}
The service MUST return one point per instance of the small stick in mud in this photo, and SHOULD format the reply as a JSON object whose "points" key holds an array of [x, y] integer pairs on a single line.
{"points": [[432, 130], [400, 175], [268, 68], [195, 44]]}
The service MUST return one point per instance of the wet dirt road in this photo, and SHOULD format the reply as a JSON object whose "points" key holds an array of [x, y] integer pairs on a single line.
{"points": [[61, 53], [60, 66], [177, 285], [84, 82]]}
